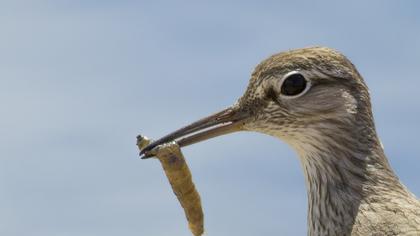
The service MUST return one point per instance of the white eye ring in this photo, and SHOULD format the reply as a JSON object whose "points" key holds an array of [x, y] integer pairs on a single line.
{"points": [[286, 76]]}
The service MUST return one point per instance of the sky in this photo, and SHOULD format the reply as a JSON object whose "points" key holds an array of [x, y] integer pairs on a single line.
{"points": [[80, 79]]}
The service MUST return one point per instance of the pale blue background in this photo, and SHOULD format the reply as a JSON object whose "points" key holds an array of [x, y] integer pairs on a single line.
{"points": [[80, 79]]}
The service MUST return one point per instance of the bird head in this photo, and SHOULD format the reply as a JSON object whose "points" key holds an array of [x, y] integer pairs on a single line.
{"points": [[295, 96]]}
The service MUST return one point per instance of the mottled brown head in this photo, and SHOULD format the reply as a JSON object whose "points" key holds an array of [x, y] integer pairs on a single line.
{"points": [[290, 94]]}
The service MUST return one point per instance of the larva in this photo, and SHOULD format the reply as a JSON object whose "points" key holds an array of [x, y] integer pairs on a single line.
{"points": [[179, 176]]}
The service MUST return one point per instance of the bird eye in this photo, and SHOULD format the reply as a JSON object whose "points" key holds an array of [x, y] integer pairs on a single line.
{"points": [[293, 84]]}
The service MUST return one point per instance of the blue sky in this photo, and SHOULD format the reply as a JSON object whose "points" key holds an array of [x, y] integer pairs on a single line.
{"points": [[80, 79]]}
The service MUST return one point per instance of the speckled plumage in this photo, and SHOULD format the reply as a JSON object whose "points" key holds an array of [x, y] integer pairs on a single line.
{"points": [[351, 187]]}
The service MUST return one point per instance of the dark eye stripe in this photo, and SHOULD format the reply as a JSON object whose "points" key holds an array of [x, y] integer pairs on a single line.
{"points": [[293, 85], [272, 95]]}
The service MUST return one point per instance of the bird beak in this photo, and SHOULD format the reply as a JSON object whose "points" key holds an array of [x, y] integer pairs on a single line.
{"points": [[224, 122]]}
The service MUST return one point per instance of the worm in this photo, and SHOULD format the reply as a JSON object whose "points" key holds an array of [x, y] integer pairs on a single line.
{"points": [[180, 178]]}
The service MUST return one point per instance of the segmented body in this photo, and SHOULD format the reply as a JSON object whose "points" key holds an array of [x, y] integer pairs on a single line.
{"points": [[179, 176]]}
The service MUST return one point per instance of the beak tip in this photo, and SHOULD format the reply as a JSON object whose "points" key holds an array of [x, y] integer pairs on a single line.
{"points": [[141, 152], [144, 156], [144, 145]]}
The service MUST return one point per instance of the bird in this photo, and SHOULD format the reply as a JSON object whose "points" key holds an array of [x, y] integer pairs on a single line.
{"points": [[315, 100]]}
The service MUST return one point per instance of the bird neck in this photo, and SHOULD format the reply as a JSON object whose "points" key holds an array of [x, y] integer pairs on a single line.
{"points": [[342, 169]]}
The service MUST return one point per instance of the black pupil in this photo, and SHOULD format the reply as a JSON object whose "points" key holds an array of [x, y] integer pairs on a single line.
{"points": [[293, 85]]}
